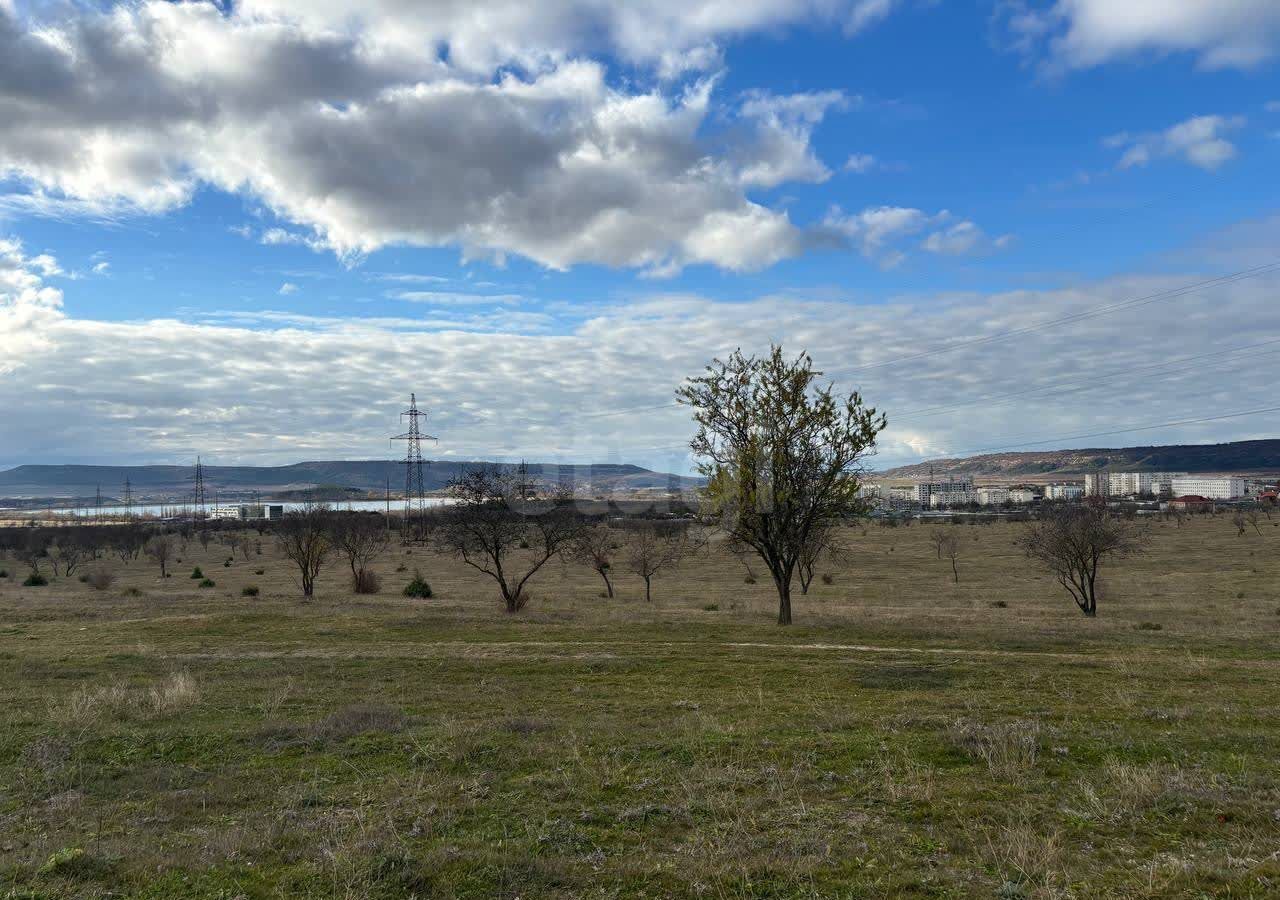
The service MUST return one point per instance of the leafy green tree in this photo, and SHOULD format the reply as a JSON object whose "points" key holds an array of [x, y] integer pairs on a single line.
{"points": [[781, 453]]}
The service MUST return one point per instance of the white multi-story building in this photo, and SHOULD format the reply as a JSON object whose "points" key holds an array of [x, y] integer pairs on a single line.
{"points": [[1211, 487], [952, 495], [993, 496], [224, 512], [1064, 492], [951, 489], [1096, 484], [1023, 495], [1140, 484]]}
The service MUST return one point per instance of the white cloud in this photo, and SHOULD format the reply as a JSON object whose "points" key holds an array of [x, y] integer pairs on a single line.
{"points": [[860, 163], [355, 130], [1084, 33], [101, 268], [451, 298], [1199, 141], [503, 384], [27, 304], [287, 288], [881, 233], [964, 239]]}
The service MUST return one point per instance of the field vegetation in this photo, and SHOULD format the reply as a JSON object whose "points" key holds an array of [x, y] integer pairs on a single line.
{"points": [[914, 733]]}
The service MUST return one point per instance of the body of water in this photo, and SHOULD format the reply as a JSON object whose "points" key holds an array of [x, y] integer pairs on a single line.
{"points": [[166, 510]]}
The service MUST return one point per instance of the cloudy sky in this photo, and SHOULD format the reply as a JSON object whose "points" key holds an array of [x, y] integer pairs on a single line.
{"points": [[249, 228]]}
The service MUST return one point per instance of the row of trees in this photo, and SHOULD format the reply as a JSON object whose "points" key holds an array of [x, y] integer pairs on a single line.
{"points": [[495, 529]]}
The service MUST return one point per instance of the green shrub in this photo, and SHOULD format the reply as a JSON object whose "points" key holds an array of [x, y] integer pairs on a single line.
{"points": [[208, 582], [259, 571], [35, 579], [828, 578], [4, 573], [83, 579], [250, 591], [418, 587], [711, 607], [196, 573]]}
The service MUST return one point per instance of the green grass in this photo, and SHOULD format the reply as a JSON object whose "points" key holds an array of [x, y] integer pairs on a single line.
{"points": [[906, 738]]}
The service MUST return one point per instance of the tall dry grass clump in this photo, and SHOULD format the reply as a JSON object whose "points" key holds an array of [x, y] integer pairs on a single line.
{"points": [[1007, 748], [89, 705]]}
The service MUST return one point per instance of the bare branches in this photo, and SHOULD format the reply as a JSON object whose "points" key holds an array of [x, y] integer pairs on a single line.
{"points": [[655, 546], [1073, 541], [495, 531], [304, 537]]}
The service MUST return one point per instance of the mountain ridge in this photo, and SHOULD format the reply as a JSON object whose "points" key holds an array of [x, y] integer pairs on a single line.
{"points": [[173, 482], [1236, 456]]}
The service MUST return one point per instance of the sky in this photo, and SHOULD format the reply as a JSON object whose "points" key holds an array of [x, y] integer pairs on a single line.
{"points": [[248, 230]]}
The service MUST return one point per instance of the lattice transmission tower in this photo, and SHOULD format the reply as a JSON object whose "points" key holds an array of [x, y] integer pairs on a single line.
{"points": [[199, 489], [128, 499], [415, 492]]}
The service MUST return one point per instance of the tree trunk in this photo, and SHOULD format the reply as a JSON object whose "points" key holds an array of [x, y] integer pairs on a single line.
{"points": [[955, 571], [647, 597], [784, 599], [608, 585]]}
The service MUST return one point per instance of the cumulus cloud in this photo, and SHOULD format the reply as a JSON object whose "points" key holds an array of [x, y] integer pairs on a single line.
{"points": [[1083, 33], [27, 303], [1199, 141], [471, 124], [287, 288], [881, 233]]}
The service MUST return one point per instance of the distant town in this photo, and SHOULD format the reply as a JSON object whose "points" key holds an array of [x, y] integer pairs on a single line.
{"points": [[1149, 490]]}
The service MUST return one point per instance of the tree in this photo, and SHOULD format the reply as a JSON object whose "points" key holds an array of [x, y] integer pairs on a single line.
{"points": [[595, 547], [1073, 541], [1237, 520], [654, 546], [488, 522], [160, 548], [782, 455], [66, 553], [822, 542], [949, 548], [361, 538], [304, 537]]}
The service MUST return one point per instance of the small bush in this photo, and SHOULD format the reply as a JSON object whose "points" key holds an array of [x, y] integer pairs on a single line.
{"points": [[1000, 604], [208, 583], [402, 568], [418, 587], [132, 592], [259, 571], [750, 579], [828, 578], [196, 573], [250, 591], [710, 607], [4, 573], [35, 579], [366, 582], [1148, 626], [227, 564], [1006, 747], [83, 579], [101, 579]]}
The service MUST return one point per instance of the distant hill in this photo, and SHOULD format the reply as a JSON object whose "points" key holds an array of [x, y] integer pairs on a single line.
{"points": [[175, 482], [1240, 456]]}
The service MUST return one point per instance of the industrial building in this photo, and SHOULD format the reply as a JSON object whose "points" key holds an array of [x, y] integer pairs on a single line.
{"points": [[1064, 492]]}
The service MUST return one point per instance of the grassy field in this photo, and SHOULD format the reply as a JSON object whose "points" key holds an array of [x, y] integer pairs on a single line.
{"points": [[908, 737]]}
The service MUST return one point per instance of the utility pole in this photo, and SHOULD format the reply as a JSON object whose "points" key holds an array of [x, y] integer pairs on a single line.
{"points": [[97, 506], [128, 499], [415, 500]]}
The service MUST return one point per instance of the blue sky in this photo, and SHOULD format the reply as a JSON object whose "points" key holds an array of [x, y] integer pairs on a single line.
{"points": [[248, 231]]}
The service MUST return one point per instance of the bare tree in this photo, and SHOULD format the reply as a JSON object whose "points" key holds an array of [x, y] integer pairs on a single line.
{"points": [[595, 547], [1251, 516], [823, 543], [1072, 543], [949, 548], [203, 536], [65, 553], [1239, 521], [782, 455], [303, 536], [654, 546], [361, 538], [938, 537], [495, 531], [160, 548]]}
